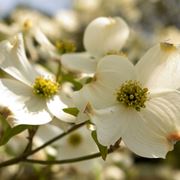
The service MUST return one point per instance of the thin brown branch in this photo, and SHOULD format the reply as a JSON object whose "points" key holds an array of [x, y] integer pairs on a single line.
{"points": [[24, 155]]}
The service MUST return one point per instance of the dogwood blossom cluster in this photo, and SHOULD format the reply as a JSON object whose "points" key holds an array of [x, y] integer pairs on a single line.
{"points": [[139, 104]]}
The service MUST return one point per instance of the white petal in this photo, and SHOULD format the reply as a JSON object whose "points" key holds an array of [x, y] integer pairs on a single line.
{"points": [[44, 71], [66, 93], [42, 39], [163, 113], [7, 30], [79, 62], [149, 135], [105, 34], [44, 134], [111, 72], [29, 44], [81, 117], [47, 49], [26, 108], [80, 102], [160, 67], [47, 132], [56, 106], [67, 19], [141, 140], [99, 95], [14, 61], [111, 123], [86, 146], [64, 126]]}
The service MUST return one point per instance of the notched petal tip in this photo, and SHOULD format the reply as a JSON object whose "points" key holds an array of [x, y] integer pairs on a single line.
{"points": [[16, 40], [5, 111], [119, 53], [174, 137], [167, 47], [7, 115], [12, 121], [90, 126], [89, 109]]}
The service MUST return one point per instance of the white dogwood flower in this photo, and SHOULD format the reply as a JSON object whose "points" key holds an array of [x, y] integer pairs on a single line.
{"points": [[46, 24], [139, 103], [103, 35], [31, 97], [34, 26]]}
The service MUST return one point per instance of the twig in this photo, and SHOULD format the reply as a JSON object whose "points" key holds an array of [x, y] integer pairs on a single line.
{"points": [[73, 160], [24, 155]]}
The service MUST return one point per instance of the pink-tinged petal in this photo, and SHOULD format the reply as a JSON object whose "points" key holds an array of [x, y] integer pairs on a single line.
{"points": [[79, 62], [160, 67]]}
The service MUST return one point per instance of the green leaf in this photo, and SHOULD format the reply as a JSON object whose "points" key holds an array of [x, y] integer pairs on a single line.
{"points": [[7, 132], [69, 78], [10, 132], [102, 149], [72, 110], [88, 80]]}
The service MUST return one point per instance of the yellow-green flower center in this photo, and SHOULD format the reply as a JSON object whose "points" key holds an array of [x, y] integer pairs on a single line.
{"points": [[131, 94], [75, 139], [27, 25], [45, 87], [65, 46]]}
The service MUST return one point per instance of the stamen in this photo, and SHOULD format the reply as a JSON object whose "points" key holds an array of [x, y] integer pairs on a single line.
{"points": [[45, 87], [75, 139], [131, 94]]}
